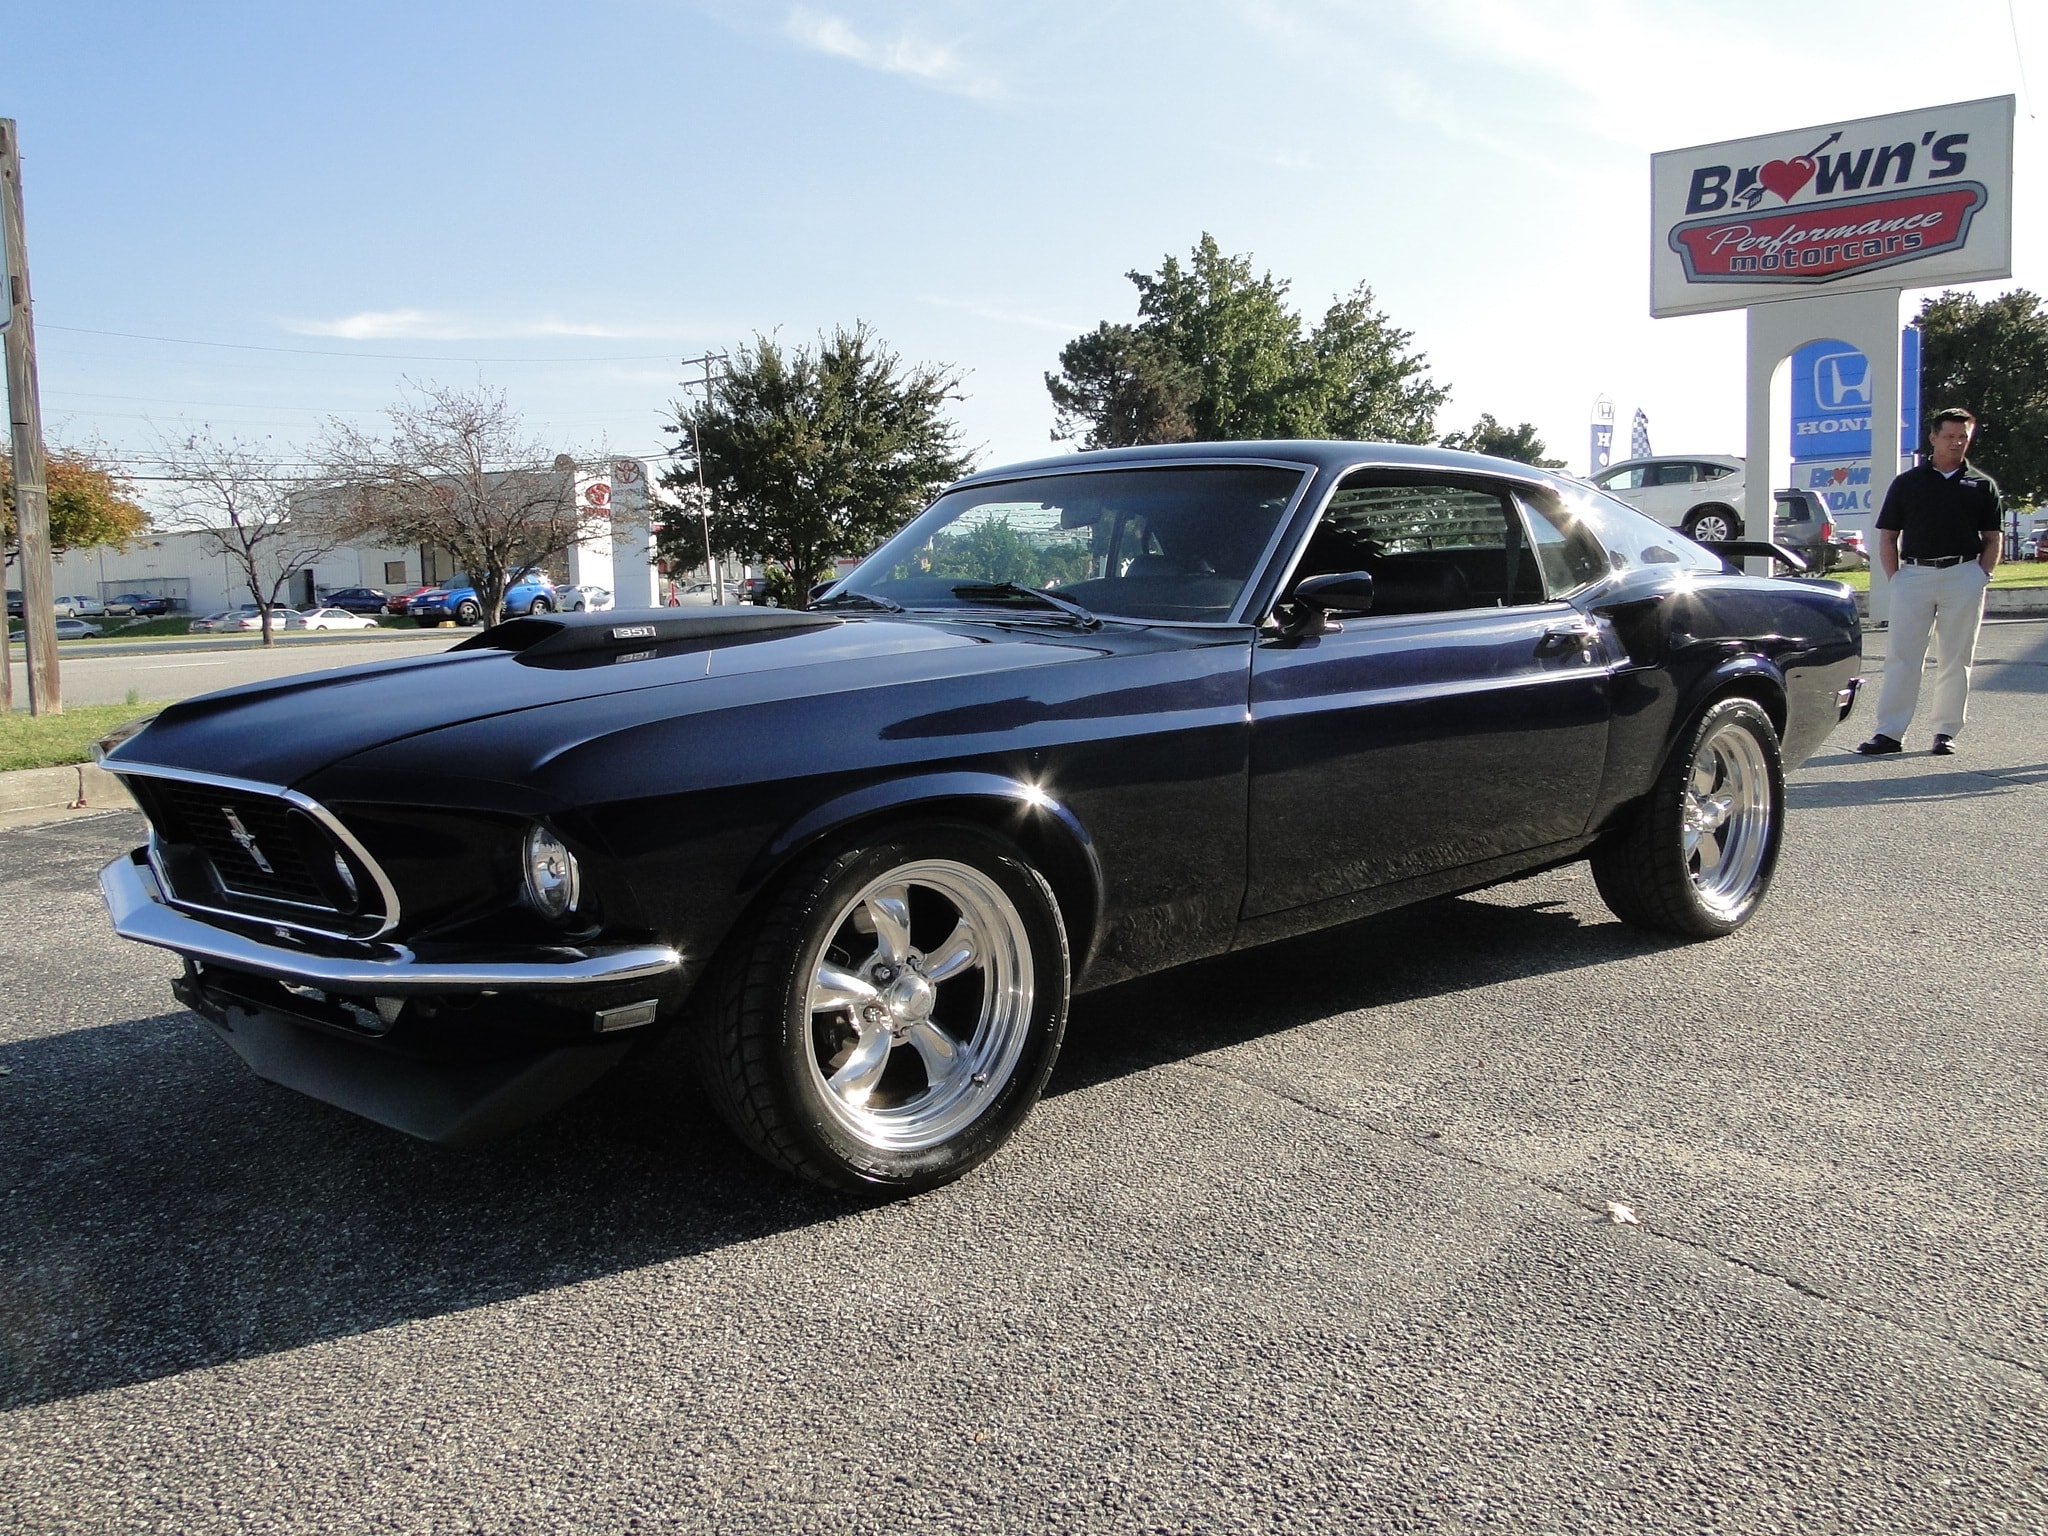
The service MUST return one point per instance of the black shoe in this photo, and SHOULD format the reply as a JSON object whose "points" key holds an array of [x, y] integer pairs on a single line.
{"points": [[1944, 746], [1879, 745]]}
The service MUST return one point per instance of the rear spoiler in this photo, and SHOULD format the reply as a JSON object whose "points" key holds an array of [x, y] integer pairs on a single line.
{"points": [[1734, 551]]}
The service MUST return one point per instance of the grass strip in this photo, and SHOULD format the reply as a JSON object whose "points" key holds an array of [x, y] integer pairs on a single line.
{"points": [[53, 741]]}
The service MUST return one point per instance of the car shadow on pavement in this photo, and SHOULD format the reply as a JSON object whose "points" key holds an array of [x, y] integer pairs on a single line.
{"points": [[163, 1210], [1893, 785], [1437, 949]]}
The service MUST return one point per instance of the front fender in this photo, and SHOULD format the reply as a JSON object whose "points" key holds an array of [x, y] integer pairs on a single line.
{"points": [[1047, 829]]}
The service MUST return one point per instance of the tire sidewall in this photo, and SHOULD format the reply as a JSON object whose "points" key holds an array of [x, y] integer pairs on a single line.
{"points": [[796, 1087], [468, 612]]}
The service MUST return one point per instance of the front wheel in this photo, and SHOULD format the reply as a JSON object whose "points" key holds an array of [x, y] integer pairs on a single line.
{"points": [[467, 612], [1699, 854], [895, 1012], [1713, 525]]}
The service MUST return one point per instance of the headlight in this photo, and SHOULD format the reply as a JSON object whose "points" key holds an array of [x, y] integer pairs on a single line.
{"points": [[551, 876]]}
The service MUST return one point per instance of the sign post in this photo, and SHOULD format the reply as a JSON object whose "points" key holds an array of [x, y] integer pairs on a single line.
{"points": [[25, 423], [1817, 232]]}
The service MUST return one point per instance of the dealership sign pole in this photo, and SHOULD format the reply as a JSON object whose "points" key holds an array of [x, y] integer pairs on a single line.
{"points": [[1817, 233]]}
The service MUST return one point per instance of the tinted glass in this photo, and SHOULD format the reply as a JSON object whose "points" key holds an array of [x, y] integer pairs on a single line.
{"points": [[1568, 549], [1674, 474], [1178, 542], [1631, 539], [1430, 546]]}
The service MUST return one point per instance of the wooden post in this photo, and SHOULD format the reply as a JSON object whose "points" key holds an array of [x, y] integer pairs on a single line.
{"points": [[25, 419]]}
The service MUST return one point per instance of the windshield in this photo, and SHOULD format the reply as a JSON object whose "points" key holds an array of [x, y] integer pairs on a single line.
{"points": [[1176, 542]]}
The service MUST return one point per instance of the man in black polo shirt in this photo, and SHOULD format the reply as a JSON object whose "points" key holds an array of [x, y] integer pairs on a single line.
{"points": [[1939, 537]]}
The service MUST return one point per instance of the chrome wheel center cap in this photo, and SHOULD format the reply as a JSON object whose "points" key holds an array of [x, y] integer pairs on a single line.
{"points": [[910, 998]]}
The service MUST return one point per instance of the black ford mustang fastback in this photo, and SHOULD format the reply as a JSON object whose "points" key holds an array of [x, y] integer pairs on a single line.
{"points": [[1081, 720]]}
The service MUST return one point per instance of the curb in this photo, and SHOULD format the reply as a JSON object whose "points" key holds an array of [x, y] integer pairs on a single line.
{"points": [[2006, 603], [77, 786]]}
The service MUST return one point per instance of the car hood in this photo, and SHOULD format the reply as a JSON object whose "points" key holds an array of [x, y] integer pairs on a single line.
{"points": [[283, 731]]}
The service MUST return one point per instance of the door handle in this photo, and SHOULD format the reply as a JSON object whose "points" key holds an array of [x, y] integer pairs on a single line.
{"points": [[1561, 639]]}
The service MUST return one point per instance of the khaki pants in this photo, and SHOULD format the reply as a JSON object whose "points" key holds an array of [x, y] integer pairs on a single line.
{"points": [[1949, 601]]}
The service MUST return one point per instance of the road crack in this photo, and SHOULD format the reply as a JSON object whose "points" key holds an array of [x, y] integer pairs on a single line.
{"points": [[1437, 1147]]}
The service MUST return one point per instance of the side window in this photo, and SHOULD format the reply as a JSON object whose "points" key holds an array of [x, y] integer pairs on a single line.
{"points": [[1631, 539], [1713, 471], [1621, 479], [1568, 551], [1675, 474], [1431, 546]]}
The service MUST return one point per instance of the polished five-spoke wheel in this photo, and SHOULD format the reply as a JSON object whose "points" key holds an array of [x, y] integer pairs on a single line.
{"points": [[1728, 813], [1697, 855], [894, 1011], [920, 1004]]}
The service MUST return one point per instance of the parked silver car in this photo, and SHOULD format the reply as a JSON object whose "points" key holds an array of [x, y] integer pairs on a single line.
{"points": [[1699, 494]]}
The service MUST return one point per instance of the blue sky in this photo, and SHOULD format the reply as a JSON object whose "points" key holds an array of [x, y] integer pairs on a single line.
{"points": [[562, 200]]}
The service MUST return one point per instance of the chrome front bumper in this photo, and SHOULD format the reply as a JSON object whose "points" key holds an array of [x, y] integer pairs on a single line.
{"points": [[139, 912]]}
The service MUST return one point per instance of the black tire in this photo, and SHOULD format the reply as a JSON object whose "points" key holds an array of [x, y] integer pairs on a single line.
{"points": [[541, 605], [1712, 525], [1664, 870], [856, 1104], [467, 612]]}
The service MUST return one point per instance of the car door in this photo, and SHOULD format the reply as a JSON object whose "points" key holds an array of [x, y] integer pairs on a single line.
{"points": [[1463, 720]]}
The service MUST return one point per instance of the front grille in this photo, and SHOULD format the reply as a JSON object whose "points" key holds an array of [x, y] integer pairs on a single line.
{"points": [[251, 853], [243, 833]]}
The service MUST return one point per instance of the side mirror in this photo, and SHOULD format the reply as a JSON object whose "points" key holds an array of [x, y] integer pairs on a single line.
{"points": [[1343, 591], [1319, 596]]}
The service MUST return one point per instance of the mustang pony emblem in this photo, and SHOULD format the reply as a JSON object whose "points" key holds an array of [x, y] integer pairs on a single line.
{"points": [[242, 835]]}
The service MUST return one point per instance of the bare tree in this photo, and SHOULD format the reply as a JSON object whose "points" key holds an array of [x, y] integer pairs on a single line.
{"points": [[231, 496], [457, 470]]}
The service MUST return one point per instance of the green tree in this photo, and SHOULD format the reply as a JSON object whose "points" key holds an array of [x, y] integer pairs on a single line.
{"points": [[1519, 443], [91, 505], [1217, 354], [1118, 386], [1991, 356], [812, 453]]}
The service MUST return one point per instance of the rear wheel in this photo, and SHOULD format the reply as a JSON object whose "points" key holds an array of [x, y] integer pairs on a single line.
{"points": [[541, 605], [895, 1011], [1699, 854], [1713, 525]]}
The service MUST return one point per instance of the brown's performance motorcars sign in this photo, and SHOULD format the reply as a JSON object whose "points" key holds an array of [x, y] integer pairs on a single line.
{"points": [[1906, 201]]}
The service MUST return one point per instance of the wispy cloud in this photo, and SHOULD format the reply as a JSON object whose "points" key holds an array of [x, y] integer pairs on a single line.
{"points": [[431, 325], [930, 63]]}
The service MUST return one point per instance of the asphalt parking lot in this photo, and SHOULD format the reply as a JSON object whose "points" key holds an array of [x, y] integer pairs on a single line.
{"points": [[1317, 1237]]}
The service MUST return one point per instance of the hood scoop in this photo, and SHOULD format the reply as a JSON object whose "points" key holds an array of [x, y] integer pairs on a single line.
{"points": [[630, 631]]}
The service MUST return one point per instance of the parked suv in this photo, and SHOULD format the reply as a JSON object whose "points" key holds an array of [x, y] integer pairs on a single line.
{"points": [[1800, 522], [530, 593], [1699, 494]]}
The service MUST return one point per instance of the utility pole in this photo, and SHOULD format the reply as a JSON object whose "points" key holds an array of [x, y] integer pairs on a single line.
{"points": [[25, 421], [714, 570]]}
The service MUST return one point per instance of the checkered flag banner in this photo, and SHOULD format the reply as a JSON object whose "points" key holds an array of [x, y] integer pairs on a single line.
{"points": [[1639, 437]]}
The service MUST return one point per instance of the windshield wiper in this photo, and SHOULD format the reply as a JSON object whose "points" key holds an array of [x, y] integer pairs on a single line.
{"points": [[997, 590], [859, 599]]}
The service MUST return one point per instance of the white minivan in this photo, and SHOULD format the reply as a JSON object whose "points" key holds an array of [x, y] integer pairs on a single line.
{"points": [[1699, 494]]}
